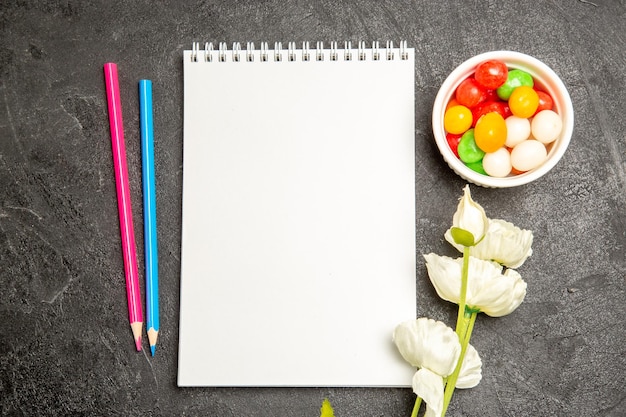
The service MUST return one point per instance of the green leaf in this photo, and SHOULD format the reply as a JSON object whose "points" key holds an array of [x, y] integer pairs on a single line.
{"points": [[327, 409], [471, 310], [462, 236]]}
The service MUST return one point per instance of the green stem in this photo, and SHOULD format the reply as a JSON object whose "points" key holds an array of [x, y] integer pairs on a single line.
{"points": [[467, 334], [463, 294], [416, 407], [464, 326]]}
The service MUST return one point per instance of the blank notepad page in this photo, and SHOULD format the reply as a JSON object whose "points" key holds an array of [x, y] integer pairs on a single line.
{"points": [[298, 236]]}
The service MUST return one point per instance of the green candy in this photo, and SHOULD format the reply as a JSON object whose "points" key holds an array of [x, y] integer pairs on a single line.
{"points": [[478, 167], [515, 78], [469, 152]]}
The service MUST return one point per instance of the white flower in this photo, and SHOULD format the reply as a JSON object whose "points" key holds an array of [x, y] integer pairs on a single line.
{"points": [[504, 243], [488, 289], [426, 343], [434, 348], [470, 216]]}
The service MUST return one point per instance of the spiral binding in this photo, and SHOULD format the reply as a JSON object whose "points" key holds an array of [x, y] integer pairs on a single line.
{"points": [[277, 54]]}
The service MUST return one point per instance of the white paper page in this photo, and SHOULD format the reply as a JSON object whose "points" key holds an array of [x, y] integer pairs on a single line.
{"points": [[298, 240]]}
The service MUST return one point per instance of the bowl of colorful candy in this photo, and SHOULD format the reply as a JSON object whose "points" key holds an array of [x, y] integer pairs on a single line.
{"points": [[502, 119]]}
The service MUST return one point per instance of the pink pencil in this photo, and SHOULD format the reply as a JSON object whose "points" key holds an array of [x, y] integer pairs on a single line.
{"points": [[123, 202]]}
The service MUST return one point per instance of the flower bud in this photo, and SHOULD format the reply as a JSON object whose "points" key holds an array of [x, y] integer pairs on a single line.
{"points": [[470, 217]]}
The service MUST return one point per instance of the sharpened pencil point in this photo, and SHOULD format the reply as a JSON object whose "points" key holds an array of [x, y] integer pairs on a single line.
{"points": [[136, 327], [152, 338]]}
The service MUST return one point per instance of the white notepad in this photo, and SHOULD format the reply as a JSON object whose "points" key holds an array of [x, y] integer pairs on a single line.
{"points": [[298, 235]]}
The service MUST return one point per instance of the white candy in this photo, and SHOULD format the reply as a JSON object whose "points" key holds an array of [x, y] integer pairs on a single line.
{"points": [[546, 126], [517, 130], [498, 163], [528, 155]]}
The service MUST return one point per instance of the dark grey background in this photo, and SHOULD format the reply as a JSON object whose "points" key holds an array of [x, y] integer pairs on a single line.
{"points": [[65, 343]]}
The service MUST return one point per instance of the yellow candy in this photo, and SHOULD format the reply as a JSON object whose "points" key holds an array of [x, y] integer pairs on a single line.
{"points": [[457, 119]]}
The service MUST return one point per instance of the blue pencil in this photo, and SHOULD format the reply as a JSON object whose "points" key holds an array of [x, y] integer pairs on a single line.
{"points": [[149, 213]]}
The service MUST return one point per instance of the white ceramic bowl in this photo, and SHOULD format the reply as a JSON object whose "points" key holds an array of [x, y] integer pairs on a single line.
{"points": [[545, 78]]}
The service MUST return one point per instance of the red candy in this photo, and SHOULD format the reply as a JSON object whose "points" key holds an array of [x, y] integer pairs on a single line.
{"points": [[491, 74], [453, 142], [469, 93], [545, 101], [492, 95], [488, 107]]}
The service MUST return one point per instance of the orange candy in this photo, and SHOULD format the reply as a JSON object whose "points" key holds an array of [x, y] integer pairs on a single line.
{"points": [[452, 103], [490, 132], [524, 101]]}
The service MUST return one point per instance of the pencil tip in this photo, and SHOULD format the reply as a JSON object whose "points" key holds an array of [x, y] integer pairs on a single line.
{"points": [[136, 328], [152, 339]]}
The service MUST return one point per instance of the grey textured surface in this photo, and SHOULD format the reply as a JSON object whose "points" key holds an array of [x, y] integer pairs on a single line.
{"points": [[65, 344]]}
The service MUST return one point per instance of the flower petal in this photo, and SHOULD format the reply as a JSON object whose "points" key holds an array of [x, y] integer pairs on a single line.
{"points": [[471, 369], [430, 412], [488, 290], [504, 243], [429, 386], [445, 275], [426, 343], [500, 295]]}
